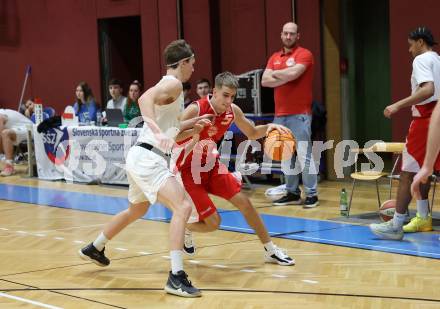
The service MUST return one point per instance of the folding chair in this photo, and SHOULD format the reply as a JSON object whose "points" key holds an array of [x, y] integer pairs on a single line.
{"points": [[395, 148]]}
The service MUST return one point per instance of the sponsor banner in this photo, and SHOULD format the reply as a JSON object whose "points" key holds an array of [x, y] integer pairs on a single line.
{"points": [[84, 154]]}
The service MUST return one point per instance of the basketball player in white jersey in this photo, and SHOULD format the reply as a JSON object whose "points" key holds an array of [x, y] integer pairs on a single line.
{"points": [[425, 86], [147, 166]]}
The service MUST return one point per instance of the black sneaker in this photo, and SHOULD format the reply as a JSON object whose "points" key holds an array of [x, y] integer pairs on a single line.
{"points": [[188, 244], [90, 253], [180, 285], [311, 202], [289, 199]]}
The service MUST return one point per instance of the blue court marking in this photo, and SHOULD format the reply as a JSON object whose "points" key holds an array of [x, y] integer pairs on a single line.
{"points": [[318, 231], [356, 236], [339, 234], [76, 201], [276, 225]]}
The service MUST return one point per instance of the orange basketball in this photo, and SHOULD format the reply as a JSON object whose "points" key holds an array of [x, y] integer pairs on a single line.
{"points": [[279, 146]]}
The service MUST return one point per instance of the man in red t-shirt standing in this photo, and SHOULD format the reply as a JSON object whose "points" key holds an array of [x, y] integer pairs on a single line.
{"points": [[290, 72]]}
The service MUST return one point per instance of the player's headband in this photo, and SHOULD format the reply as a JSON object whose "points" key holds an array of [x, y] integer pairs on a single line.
{"points": [[184, 59]]}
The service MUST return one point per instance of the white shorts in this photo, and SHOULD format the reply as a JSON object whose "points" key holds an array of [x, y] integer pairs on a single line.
{"points": [[21, 134], [146, 173]]}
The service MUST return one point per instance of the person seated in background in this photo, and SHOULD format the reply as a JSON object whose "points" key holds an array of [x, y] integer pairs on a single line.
{"points": [[203, 87], [85, 105], [132, 109], [186, 91], [12, 132], [117, 100], [29, 109]]}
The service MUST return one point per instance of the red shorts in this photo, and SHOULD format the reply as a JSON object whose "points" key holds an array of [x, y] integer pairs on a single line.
{"points": [[415, 148], [222, 185]]}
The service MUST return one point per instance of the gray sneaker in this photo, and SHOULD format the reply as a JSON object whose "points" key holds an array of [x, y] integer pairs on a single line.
{"points": [[386, 230], [180, 285]]}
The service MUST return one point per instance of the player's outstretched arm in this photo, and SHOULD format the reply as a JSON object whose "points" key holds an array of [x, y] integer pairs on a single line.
{"points": [[191, 123], [423, 92], [252, 131], [189, 113]]}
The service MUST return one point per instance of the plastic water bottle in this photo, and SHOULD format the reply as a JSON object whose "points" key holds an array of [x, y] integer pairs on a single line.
{"points": [[98, 119], [86, 118], [343, 205]]}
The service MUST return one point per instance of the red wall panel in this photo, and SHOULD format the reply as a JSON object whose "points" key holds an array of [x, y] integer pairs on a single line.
{"points": [[308, 20], [59, 39], [197, 31], [117, 8], [278, 12], [243, 35], [167, 24], [404, 17], [150, 42], [159, 28]]}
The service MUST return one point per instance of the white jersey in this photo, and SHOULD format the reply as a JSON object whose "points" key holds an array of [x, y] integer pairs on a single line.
{"points": [[167, 118], [119, 104], [426, 68], [15, 119]]}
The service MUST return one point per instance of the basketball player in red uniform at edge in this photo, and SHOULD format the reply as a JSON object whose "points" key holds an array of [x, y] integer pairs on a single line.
{"points": [[425, 92], [202, 172]]}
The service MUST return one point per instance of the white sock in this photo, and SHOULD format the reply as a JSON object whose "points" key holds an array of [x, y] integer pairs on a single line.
{"points": [[269, 246], [100, 242], [176, 261], [398, 220], [9, 162], [423, 208]]}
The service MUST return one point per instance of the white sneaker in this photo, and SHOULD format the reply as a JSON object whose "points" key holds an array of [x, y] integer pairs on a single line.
{"points": [[278, 256], [276, 193], [188, 244], [386, 230]]}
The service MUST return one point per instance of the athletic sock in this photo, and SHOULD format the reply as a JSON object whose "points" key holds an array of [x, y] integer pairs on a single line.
{"points": [[423, 208], [398, 220], [100, 242], [269, 246], [176, 261]]}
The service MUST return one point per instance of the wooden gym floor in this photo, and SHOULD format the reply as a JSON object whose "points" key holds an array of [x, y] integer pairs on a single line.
{"points": [[40, 268]]}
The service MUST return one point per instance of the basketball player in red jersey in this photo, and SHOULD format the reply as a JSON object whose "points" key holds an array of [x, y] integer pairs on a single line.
{"points": [[202, 172]]}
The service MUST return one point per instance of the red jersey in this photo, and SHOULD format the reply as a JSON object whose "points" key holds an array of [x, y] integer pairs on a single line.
{"points": [[294, 97], [210, 135]]}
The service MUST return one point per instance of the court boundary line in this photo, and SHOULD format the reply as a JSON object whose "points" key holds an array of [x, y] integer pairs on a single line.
{"points": [[34, 288], [29, 301], [240, 291]]}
